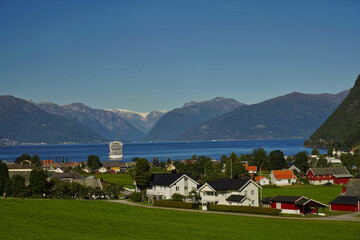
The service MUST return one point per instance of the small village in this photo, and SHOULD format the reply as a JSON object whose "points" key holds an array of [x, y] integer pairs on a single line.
{"points": [[203, 183]]}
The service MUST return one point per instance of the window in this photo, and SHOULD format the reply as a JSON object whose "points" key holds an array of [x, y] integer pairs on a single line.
{"points": [[245, 193], [319, 181], [288, 180], [185, 188], [185, 179], [252, 202], [177, 188], [252, 192]]}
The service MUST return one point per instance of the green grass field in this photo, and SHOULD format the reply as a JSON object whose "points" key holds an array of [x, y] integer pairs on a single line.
{"points": [[123, 179], [74, 219]]}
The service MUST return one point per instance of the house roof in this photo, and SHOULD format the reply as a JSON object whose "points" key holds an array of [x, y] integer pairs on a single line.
{"points": [[73, 175], [347, 200], [252, 168], [266, 200], [353, 188], [286, 199], [236, 198], [21, 166], [283, 174], [258, 178], [166, 179], [108, 164], [336, 171], [223, 184]]}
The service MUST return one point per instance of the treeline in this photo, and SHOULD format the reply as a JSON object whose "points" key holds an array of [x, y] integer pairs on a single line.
{"points": [[40, 186]]}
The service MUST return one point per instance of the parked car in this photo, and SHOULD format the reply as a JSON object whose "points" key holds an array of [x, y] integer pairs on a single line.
{"points": [[327, 184]]}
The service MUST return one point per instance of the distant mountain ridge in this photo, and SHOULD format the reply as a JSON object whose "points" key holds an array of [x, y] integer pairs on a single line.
{"points": [[342, 128], [22, 121], [142, 121], [177, 121], [295, 115], [105, 123]]}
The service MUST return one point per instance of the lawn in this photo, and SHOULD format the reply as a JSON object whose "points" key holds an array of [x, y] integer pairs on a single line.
{"points": [[74, 219], [124, 179]]}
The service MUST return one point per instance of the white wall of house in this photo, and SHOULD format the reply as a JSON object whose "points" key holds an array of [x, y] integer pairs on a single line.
{"points": [[208, 195], [183, 186], [321, 182], [264, 181], [281, 182]]}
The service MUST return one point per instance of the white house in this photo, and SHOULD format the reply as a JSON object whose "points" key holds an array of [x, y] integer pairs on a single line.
{"points": [[226, 191], [164, 185], [293, 167], [282, 177], [261, 180], [101, 170]]}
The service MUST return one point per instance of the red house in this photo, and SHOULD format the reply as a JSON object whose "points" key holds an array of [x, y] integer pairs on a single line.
{"points": [[334, 175], [294, 204], [349, 199]]}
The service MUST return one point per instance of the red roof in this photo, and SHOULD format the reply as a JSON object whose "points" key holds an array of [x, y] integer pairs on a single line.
{"points": [[283, 174], [258, 178], [252, 168]]}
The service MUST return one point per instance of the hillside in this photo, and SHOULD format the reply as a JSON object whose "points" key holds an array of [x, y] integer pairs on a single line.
{"points": [[177, 121], [342, 128], [22, 121], [105, 123], [295, 115], [142, 121]]}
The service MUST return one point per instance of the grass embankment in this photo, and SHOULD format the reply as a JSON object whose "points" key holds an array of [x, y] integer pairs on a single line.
{"points": [[124, 179], [324, 194], [74, 219]]}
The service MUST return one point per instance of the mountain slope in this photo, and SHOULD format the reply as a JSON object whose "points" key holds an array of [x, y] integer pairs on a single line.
{"points": [[107, 124], [294, 115], [142, 121], [22, 121], [175, 122], [342, 128]]}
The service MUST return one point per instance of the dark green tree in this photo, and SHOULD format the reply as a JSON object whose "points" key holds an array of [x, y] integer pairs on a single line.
{"points": [[38, 182], [93, 162], [301, 161], [277, 160], [156, 162], [4, 177], [18, 186], [315, 152], [141, 173], [259, 158], [322, 162], [347, 160], [22, 158], [135, 159], [36, 160]]}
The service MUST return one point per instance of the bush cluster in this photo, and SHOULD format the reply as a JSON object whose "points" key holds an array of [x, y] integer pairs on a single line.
{"points": [[135, 196], [244, 209], [176, 204]]}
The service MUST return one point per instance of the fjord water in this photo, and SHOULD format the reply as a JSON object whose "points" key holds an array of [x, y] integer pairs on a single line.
{"points": [[172, 150]]}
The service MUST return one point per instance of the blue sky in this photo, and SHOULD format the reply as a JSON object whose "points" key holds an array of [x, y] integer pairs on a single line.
{"points": [[154, 55]]}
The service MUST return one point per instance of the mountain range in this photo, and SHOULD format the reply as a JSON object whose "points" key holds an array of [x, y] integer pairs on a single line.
{"points": [[294, 115], [341, 129]]}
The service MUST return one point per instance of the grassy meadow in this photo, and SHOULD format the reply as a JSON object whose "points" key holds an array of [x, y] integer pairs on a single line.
{"points": [[75, 219], [124, 179]]}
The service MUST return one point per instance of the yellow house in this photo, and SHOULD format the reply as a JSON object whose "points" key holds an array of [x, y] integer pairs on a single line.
{"points": [[170, 167]]}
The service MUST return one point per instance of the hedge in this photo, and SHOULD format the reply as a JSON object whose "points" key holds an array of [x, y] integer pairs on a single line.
{"points": [[244, 209], [176, 204]]}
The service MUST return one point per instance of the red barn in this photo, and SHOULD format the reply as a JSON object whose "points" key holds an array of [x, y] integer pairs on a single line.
{"points": [[335, 175], [294, 204], [349, 199]]}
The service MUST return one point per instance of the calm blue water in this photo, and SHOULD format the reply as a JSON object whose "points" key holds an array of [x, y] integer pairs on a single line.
{"points": [[173, 150]]}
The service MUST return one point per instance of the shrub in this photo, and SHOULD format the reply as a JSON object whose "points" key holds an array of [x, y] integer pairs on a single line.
{"points": [[135, 196], [176, 204], [244, 209], [305, 180], [177, 197], [270, 186]]}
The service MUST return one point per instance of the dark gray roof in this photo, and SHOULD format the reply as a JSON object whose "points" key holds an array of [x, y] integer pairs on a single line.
{"points": [[236, 198], [73, 175], [353, 188], [347, 200], [21, 166], [336, 171], [224, 184], [166, 179], [302, 201], [266, 200], [286, 199], [108, 164]]}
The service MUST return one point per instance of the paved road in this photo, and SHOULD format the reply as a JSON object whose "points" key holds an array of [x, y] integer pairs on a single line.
{"points": [[346, 217]]}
